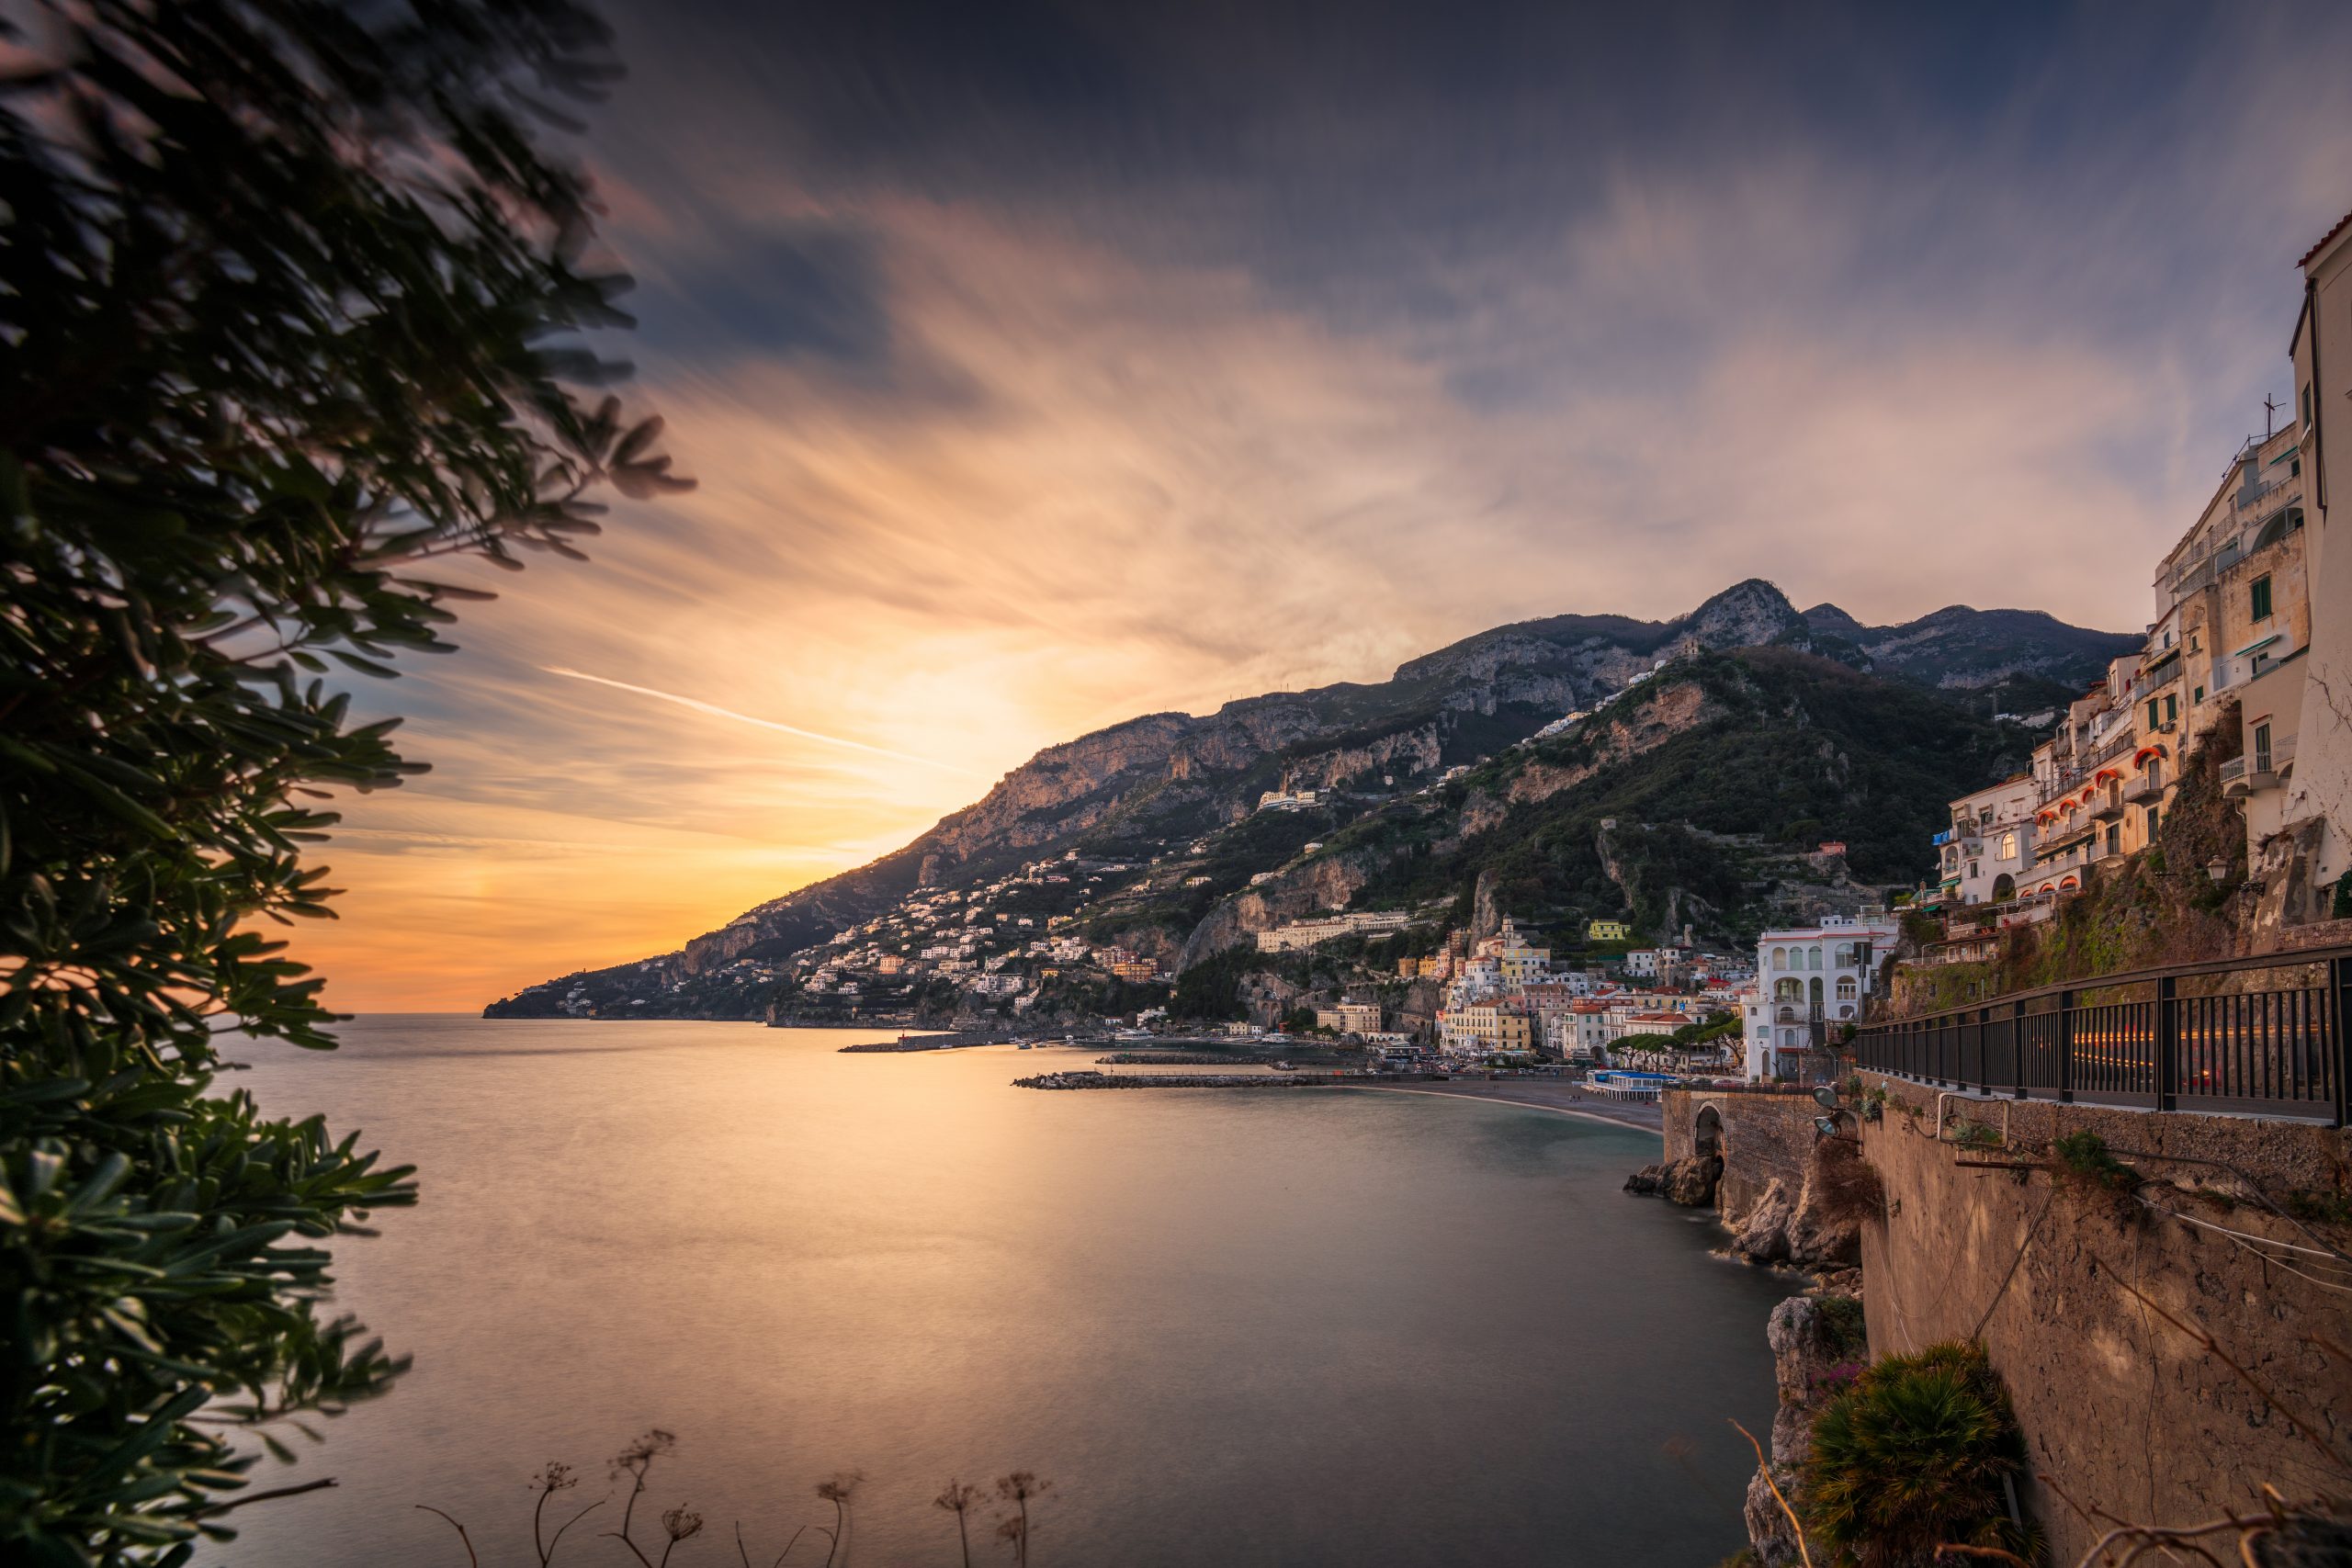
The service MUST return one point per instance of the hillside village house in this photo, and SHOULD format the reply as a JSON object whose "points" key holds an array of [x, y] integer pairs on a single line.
{"points": [[2233, 619], [1809, 980], [1361, 1019], [1605, 930], [1987, 851]]}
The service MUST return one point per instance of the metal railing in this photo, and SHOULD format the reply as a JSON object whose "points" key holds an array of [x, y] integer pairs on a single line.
{"points": [[2225, 1036]]}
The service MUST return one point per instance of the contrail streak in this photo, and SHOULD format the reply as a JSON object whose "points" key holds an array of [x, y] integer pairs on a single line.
{"points": [[716, 711]]}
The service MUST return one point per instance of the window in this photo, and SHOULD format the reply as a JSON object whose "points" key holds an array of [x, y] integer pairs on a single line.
{"points": [[2192, 642], [2114, 838], [2152, 824], [2153, 719], [2199, 696], [2172, 706], [2262, 597], [2307, 405], [2262, 746], [2008, 846]]}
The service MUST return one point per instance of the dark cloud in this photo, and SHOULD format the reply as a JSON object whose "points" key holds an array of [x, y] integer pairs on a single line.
{"points": [[790, 291]]}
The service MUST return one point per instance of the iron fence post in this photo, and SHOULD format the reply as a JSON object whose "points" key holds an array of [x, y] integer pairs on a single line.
{"points": [[2167, 1044], [2339, 1024], [2065, 1043], [2017, 1053]]}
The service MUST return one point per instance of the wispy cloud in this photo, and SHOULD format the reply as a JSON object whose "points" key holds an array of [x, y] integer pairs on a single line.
{"points": [[717, 712]]}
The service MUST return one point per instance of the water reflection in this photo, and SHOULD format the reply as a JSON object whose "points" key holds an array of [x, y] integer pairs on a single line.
{"points": [[1269, 1326]]}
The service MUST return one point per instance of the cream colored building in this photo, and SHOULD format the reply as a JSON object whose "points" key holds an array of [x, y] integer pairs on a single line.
{"points": [[1987, 856], [2313, 768]]}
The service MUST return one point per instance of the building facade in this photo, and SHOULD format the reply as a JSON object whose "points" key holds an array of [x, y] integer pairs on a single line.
{"points": [[1810, 981]]}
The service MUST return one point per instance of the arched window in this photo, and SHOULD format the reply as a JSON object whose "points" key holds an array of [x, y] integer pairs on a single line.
{"points": [[2005, 887], [1780, 958], [1846, 989], [1844, 1012], [2009, 846], [1816, 991], [1813, 958]]}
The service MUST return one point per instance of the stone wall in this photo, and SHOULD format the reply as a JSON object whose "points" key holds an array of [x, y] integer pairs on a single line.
{"points": [[1766, 1135], [2125, 1411]]}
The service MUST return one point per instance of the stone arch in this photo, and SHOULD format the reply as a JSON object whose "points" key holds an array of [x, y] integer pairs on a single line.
{"points": [[2005, 887], [1707, 1130]]}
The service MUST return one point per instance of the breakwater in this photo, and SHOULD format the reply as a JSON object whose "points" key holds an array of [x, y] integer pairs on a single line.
{"points": [[1081, 1080], [932, 1042], [1167, 1058]]}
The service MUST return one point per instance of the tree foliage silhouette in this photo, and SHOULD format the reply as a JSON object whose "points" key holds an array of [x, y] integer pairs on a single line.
{"points": [[291, 304]]}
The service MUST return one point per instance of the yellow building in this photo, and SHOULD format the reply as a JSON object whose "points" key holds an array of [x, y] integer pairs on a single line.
{"points": [[1606, 930]]}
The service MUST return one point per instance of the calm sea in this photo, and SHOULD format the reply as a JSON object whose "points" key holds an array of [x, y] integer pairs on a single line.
{"points": [[1231, 1328]]}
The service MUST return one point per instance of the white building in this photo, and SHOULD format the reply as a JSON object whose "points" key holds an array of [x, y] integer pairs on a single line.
{"points": [[1987, 854], [1303, 934], [1811, 975]]}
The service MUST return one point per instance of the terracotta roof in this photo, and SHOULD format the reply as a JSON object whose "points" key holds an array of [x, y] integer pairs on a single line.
{"points": [[2341, 224]]}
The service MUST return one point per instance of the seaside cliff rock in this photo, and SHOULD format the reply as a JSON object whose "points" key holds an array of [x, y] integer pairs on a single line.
{"points": [[1807, 1354], [1690, 1182], [1797, 1230]]}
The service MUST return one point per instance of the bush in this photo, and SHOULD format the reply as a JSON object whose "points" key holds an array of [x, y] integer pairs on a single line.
{"points": [[1914, 1454], [2083, 1160], [1846, 1187]]}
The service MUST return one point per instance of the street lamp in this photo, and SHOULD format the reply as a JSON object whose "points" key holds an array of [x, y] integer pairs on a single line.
{"points": [[2218, 868]]}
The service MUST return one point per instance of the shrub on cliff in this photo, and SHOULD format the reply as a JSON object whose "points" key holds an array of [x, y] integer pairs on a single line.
{"points": [[278, 283], [1915, 1453]]}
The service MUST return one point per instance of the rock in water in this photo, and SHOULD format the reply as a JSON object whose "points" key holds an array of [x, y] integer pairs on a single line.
{"points": [[1691, 1182], [1765, 1237]]}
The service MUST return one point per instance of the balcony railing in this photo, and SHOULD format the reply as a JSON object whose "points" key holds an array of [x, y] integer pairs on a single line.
{"points": [[2258, 769], [2266, 1035]]}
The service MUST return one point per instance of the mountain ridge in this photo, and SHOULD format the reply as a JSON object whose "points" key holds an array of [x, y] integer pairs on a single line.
{"points": [[1137, 790]]}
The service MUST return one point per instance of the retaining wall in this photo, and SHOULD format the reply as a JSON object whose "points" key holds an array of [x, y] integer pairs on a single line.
{"points": [[2122, 1410]]}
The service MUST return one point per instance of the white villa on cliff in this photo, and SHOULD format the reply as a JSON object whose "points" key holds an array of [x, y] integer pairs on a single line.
{"points": [[1808, 974]]}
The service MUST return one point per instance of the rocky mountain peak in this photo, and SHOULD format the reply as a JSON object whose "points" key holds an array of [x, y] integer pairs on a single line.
{"points": [[1745, 615]]}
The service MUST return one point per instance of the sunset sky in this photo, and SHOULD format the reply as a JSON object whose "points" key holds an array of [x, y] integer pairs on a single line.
{"points": [[1042, 366]]}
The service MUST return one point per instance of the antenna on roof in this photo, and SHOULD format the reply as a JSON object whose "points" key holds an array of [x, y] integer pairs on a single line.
{"points": [[2270, 407]]}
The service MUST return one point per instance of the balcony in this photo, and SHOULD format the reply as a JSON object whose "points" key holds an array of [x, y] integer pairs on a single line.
{"points": [[2259, 769], [2142, 790], [2108, 807]]}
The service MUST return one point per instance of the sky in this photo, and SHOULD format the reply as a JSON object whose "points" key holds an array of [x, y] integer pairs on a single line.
{"points": [[1043, 366]]}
